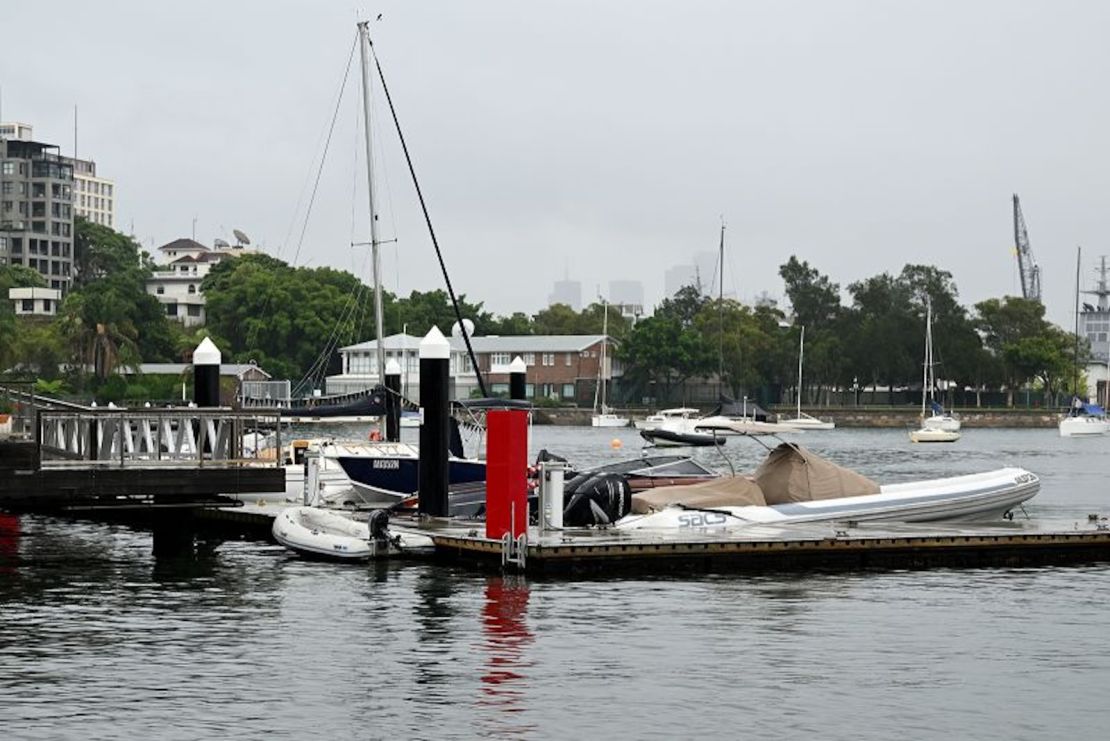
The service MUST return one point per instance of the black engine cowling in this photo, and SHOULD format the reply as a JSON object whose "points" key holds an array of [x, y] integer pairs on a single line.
{"points": [[598, 500]]}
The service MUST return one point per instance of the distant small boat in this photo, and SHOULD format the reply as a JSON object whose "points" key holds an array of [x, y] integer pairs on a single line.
{"points": [[608, 419], [938, 428], [654, 420], [804, 421], [681, 432], [932, 435], [1083, 420], [603, 416]]}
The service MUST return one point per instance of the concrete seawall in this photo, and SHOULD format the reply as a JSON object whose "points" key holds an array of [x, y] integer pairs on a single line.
{"points": [[897, 417]]}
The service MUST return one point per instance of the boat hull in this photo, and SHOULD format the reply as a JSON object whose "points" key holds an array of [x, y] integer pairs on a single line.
{"points": [[927, 435], [394, 477], [1083, 426], [608, 420], [322, 534], [672, 439], [807, 423]]}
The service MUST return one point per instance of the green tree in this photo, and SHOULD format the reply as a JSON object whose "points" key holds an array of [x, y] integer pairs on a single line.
{"points": [[289, 320], [516, 324], [557, 319], [108, 317], [659, 350], [814, 299]]}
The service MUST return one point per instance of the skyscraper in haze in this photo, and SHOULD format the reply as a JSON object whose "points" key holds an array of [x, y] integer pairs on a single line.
{"points": [[567, 292], [679, 277], [626, 292]]}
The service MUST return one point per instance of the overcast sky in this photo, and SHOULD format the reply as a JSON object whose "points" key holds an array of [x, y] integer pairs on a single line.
{"points": [[602, 140]]}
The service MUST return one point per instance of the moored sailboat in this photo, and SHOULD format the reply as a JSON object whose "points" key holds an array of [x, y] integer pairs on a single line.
{"points": [[926, 433], [801, 420], [603, 416]]}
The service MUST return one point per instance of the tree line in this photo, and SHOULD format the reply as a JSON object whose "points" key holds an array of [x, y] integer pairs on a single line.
{"points": [[292, 321]]}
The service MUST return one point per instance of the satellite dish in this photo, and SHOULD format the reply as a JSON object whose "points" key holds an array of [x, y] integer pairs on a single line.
{"points": [[241, 237], [221, 244], [457, 332]]}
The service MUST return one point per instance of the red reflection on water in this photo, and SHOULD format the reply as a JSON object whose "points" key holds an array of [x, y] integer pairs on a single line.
{"points": [[505, 629], [9, 542]]}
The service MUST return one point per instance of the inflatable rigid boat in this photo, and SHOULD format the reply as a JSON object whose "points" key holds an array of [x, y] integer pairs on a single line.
{"points": [[322, 533], [796, 485]]}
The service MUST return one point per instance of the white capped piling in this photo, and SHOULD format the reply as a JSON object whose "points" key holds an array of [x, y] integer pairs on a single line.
{"points": [[552, 476], [435, 355], [393, 400], [206, 374], [517, 375]]}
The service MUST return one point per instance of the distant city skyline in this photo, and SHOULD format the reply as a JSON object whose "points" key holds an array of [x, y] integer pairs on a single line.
{"points": [[616, 160]]}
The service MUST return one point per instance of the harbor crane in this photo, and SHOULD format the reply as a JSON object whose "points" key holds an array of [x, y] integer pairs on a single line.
{"points": [[1027, 266]]}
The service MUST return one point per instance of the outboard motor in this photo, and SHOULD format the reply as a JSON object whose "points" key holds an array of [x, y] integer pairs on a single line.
{"points": [[600, 500], [379, 525]]}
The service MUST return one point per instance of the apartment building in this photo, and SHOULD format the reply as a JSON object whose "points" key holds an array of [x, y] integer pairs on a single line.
{"points": [[36, 206]]}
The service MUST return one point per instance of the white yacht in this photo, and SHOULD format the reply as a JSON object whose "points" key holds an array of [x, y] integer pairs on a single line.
{"points": [[663, 415]]}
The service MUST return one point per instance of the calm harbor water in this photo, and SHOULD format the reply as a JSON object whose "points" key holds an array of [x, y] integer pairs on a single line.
{"points": [[99, 640]]}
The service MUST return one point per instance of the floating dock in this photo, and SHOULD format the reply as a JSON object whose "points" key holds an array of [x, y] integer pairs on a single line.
{"points": [[760, 549], [819, 546]]}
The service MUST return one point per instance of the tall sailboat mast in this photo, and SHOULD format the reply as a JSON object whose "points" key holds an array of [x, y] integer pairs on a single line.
{"points": [[1078, 270], [721, 314], [928, 354], [375, 247], [604, 342], [801, 353]]}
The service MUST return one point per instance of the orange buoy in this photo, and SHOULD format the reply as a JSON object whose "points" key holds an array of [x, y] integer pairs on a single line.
{"points": [[616, 443]]}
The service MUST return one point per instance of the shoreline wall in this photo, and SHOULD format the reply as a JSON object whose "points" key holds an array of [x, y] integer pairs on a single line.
{"points": [[896, 417]]}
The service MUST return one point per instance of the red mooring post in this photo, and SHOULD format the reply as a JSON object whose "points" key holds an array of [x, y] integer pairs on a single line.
{"points": [[506, 473]]}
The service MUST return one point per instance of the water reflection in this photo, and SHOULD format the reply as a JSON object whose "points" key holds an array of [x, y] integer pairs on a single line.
{"points": [[10, 533], [434, 589], [505, 637]]}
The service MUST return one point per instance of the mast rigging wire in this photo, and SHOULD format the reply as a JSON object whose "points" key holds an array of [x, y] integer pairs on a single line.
{"points": [[428, 221]]}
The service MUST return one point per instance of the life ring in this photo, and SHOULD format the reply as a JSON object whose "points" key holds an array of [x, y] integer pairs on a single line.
{"points": [[375, 436]]}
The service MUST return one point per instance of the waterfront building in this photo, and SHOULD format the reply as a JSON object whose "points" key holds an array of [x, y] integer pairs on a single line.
{"points": [[35, 301], [567, 292], [36, 206], [180, 267], [560, 367]]}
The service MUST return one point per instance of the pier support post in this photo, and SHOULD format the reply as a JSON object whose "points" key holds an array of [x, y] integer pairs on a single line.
{"points": [[517, 376], [393, 401], [435, 355], [206, 374], [174, 534]]}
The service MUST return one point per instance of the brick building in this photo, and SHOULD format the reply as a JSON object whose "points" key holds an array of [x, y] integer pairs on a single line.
{"points": [[562, 367]]}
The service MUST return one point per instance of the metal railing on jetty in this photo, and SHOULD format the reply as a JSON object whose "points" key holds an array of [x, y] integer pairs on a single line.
{"points": [[172, 436], [60, 455]]}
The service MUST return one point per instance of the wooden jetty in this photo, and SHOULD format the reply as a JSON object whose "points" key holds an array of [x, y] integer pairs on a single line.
{"points": [[59, 456]]}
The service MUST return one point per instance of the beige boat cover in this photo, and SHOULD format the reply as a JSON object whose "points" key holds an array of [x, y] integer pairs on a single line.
{"points": [[794, 474], [726, 491]]}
